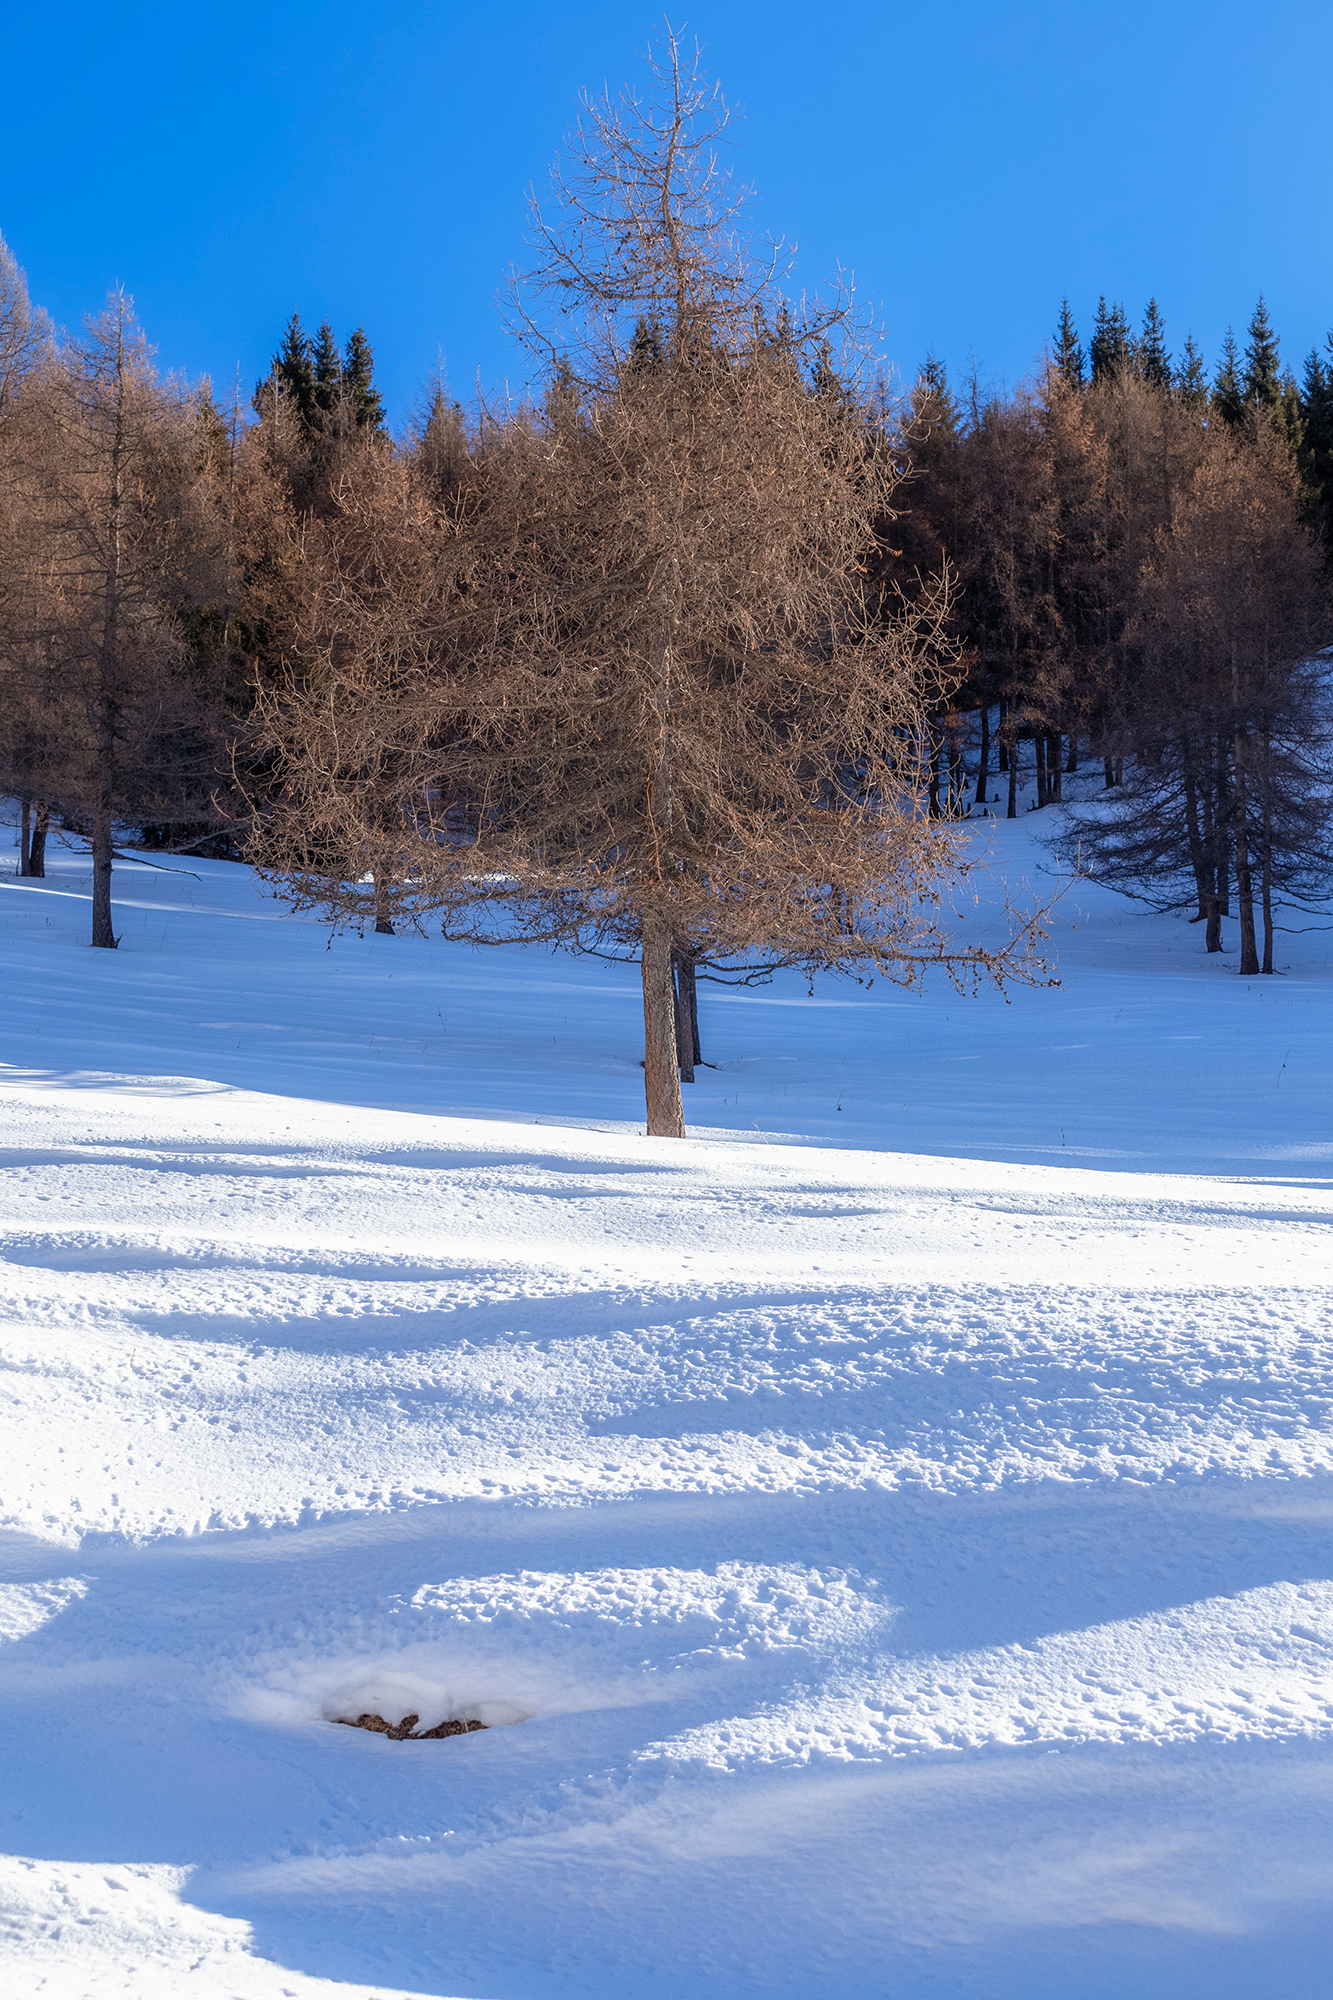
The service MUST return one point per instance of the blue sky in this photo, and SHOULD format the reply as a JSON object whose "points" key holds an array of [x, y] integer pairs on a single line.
{"points": [[969, 163]]}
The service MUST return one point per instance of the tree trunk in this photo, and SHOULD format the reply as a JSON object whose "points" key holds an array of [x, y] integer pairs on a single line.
{"points": [[1002, 758], [25, 838], [1072, 765], [104, 937], [1013, 780], [661, 1062], [1223, 817], [1198, 853], [1249, 956], [1039, 749], [1108, 767], [983, 766], [37, 850], [383, 920], [1053, 763], [687, 1024]]}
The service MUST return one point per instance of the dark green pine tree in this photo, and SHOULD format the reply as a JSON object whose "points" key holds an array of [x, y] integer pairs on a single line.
{"points": [[1315, 452], [1261, 384], [328, 370], [645, 348], [1110, 350], [1228, 396], [1154, 363], [293, 371], [1190, 379], [1288, 416], [1068, 355], [934, 399], [358, 376]]}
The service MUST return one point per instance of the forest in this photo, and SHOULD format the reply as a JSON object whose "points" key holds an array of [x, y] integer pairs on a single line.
{"points": [[703, 655]]}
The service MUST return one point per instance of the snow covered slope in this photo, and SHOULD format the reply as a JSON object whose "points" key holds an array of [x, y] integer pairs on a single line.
{"points": [[890, 1543]]}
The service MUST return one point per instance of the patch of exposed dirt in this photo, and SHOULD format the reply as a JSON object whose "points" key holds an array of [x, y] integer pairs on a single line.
{"points": [[406, 1731]]}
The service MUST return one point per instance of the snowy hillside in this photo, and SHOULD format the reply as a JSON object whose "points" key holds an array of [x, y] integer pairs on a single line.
{"points": [[887, 1534]]}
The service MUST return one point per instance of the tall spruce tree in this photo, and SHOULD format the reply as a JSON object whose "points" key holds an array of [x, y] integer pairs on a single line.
{"points": [[1154, 363], [1111, 349], [1315, 453], [1228, 390], [293, 371], [1190, 379], [1261, 384], [1068, 355], [358, 377], [327, 370]]}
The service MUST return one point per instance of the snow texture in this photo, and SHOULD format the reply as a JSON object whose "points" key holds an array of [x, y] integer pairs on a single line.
{"points": [[886, 1534]]}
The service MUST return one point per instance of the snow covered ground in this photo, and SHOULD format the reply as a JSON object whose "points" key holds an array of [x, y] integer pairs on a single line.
{"points": [[889, 1531]]}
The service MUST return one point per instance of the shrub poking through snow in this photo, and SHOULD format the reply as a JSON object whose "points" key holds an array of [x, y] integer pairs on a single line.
{"points": [[406, 1731]]}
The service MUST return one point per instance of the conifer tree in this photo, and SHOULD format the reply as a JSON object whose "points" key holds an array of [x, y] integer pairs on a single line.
{"points": [[1261, 384], [293, 372], [328, 371], [1110, 349], [359, 383], [1068, 354], [1228, 395], [1190, 379], [1315, 452], [645, 348], [1154, 363]]}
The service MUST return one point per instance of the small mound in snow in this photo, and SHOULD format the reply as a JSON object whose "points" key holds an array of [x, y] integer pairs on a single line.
{"points": [[406, 1731]]}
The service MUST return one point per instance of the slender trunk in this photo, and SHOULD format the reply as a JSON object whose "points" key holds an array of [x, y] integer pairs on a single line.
{"points": [[37, 851], [1002, 760], [383, 906], [983, 766], [108, 666], [25, 838], [661, 1062], [1039, 750], [1120, 770], [682, 965], [1223, 816], [1108, 766], [1013, 780], [1053, 762], [1249, 956], [104, 936], [1194, 836], [1072, 766]]}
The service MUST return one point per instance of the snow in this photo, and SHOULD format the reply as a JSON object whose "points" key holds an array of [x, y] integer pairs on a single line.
{"points": [[887, 1533]]}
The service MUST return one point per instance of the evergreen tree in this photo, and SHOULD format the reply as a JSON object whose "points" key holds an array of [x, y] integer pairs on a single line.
{"points": [[935, 400], [645, 349], [1190, 379], [1068, 353], [358, 379], [1288, 417], [1228, 396], [1262, 382], [1154, 363], [328, 371], [1315, 453], [293, 372], [1110, 349]]}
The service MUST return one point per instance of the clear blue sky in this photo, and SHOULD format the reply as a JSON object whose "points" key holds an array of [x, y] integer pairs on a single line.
{"points": [[970, 163]]}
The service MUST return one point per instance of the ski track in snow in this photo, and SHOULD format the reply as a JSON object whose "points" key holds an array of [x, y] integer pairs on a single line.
{"points": [[881, 1570]]}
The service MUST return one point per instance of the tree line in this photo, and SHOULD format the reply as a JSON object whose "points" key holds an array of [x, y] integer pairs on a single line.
{"points": [[1142, 561], [679, 660]]}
